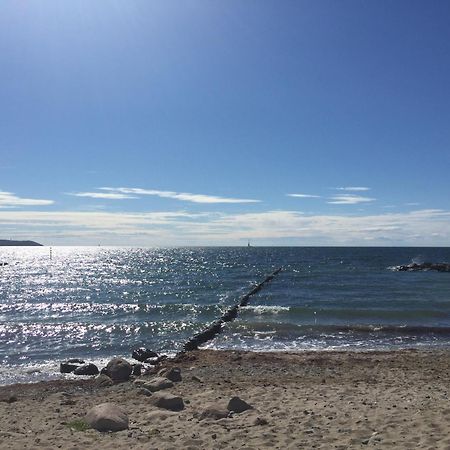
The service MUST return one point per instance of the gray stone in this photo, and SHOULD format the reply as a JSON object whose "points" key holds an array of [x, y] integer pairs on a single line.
{"points": [[172, 374], [86, 369], [214, 411], [144, 391], [238, 405], [167, 401], [107, 417], [137, 369], [118, 369], [103, 381], [141, 354], [157, 384], [67, 367], [152, 361]]}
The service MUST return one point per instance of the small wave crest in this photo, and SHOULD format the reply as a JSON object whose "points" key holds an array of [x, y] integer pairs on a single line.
{"points": [[266, 309]]}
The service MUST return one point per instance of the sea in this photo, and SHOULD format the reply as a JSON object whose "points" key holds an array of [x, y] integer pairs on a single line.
{"points": [[97, 302]]}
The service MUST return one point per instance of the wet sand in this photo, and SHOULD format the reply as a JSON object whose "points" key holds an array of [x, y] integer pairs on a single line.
{"points": [[328, 400]]}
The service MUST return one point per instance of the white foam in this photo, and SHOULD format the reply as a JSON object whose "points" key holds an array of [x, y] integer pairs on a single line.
{"points": [[266, 309]]}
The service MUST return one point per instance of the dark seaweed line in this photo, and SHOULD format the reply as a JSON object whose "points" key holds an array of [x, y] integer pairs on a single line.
{"points": [[216, 327]]}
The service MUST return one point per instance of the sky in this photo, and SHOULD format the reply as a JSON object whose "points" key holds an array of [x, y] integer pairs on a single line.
{"points": [[155, 123]]}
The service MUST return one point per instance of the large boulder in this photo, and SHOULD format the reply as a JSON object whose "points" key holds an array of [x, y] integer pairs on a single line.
{"points": [[238, 405], [86, 369], [167, 401], [158, 384], [107, 417], [118, 369], [141, 354]]}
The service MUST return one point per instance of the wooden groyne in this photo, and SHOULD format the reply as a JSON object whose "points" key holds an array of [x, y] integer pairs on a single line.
{"points": [[216, 327]]}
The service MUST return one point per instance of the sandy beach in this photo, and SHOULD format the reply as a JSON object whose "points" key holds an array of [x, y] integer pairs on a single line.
{"points": [[328, 400]]}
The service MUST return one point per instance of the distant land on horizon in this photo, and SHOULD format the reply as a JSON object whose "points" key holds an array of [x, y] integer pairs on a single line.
{"points": [[11, 243]]}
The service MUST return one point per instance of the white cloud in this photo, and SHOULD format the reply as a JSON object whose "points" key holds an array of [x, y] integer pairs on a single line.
{"points": [[184, 196], [353, 188], [10, 200], [103, 195], [303, 195], [416, 228], [347, 199]]}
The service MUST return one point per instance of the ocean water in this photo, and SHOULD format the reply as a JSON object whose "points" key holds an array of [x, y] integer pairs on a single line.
{"points": [[95, 302]]}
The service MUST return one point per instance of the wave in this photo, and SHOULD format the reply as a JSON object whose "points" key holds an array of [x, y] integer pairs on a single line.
{"points": [[293, 330], [265, 309]]}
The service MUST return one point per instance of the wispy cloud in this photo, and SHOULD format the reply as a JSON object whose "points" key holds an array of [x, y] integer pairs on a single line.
{"points": [[183, 196], [347, 199], [421, 228], [303, 195], [353, 188], [10, 200], [103, 195]]}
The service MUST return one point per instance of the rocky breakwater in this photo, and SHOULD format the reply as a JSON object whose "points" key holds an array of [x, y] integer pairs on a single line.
{"points": [[415, 267], [228, 316]]}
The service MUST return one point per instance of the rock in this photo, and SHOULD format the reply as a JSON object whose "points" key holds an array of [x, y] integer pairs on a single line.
{"points": [[141, 354], [172, 374], [137, 369], [118, 369], [167, 401], [152, 361], [144, 391], [68, 367], [440, 267], [107, 417], [214, 411], [103, 381], [158, 384], [238, 405], [231, 314], [86, 369], [197, 379], [205, 336]]}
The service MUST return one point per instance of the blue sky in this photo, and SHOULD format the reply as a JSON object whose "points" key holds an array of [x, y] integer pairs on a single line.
{"points": [[194, 122]]}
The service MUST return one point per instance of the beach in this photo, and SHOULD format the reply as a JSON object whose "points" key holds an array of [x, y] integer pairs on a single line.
{"points": [[327, 399]]}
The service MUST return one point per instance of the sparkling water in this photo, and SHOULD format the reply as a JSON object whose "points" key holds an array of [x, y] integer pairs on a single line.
{"points": [[95, 302]]}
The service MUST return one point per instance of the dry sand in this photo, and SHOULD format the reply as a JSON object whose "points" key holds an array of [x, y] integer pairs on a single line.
{"points": [[328, 400]]}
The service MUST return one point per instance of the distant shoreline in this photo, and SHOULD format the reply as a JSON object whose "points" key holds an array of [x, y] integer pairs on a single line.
{"points": [[11, 243]]}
